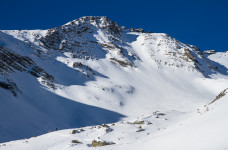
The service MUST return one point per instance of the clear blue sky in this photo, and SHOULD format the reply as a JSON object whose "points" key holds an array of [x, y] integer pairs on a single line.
{"points": [[203, 23]]}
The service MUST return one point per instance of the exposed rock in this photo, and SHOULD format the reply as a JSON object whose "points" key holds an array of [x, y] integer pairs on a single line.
{"points": [[56, 37], [100, 143], [139, 122], [189, 56], [140, 129], [76, 142], [120, 62], [10, 86], [107, 127], [137, 30], [83, 68], [103, 125], [223, 93], [77, 131], [209, 52], [158, 114], [10, 61]]}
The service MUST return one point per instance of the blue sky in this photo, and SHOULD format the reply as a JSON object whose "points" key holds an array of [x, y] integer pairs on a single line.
{"points": [[203, 23]]}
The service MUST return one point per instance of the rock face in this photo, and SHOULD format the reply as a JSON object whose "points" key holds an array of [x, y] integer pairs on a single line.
{"points": [[62, 38], [11, 62], [48, 78]]}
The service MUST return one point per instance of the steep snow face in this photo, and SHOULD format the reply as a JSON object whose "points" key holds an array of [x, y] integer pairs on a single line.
{"points": [[92, 71]]}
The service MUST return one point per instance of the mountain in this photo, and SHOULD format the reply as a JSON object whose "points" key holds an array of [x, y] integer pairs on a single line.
{"points": [[92, 71]]}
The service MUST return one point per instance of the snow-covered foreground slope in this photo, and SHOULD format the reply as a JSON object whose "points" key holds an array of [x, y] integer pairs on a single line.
{"points": [[92, 71], [204, 129]]}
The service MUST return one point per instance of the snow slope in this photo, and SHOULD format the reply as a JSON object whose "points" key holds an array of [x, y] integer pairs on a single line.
{"points": [[203, 129], [92, 71]]}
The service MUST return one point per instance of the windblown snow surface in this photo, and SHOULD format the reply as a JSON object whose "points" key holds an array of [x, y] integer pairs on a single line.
{"points": [[95, 80]]}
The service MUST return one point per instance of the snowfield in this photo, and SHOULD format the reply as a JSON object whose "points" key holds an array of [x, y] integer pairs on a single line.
{"points": [[105, 86], [169, 130]]}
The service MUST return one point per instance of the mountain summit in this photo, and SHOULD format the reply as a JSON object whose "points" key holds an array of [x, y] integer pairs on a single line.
{"points": [[92, 71]]}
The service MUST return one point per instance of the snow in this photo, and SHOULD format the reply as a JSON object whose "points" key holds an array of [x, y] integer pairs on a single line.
{"points": [[160, 77], [202, 130], [220, 57]]}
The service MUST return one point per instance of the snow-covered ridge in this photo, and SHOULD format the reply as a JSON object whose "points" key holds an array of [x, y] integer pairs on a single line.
{"points": [[92, 71]]}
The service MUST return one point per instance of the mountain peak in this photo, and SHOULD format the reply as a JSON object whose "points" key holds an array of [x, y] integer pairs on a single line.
{"points": [[97, 21]]}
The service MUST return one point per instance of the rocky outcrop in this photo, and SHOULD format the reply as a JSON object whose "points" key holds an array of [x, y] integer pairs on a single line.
{"points": [[121, 63], [222, 94], [9, 85], [86, 70], [61, 38], [209, 52], [12, 62]]}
